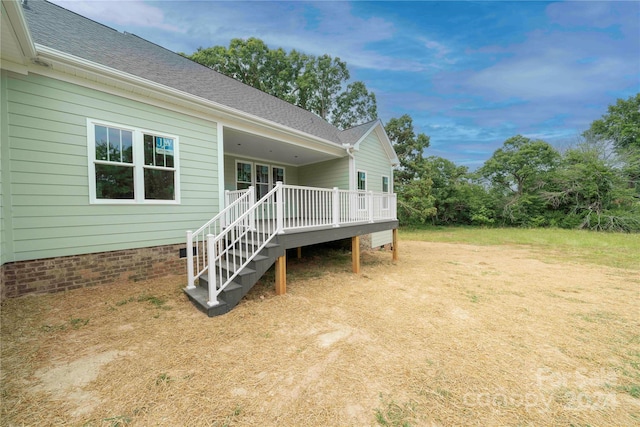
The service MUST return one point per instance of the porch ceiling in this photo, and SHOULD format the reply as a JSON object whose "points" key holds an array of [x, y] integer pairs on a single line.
{"points": [[244, 144]]}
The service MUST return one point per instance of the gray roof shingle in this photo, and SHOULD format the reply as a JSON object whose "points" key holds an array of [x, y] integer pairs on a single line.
{"points": [[68, 32], [353, 135]]}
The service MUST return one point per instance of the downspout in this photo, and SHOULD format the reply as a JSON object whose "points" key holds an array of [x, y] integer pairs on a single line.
{"points": [[220, 153], [352, 165]]}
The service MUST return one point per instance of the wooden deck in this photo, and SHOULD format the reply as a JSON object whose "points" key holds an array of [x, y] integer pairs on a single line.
{"points": [[234, 248]]}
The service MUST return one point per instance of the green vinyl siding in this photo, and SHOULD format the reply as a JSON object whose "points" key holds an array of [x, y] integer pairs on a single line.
{"points": [[374, 160], [329, 174], [381, 238], [46, 155], [5, 248]]}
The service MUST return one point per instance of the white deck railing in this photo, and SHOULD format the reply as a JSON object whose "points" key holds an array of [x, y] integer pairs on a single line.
{"points": [[197, 260], [306, 207], [228, 242]]}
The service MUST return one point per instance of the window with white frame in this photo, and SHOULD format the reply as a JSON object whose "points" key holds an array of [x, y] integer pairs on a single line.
{"points": [[262, 177], [385, 190], [262, 181], [244, 175], [131, 165], [361, 181], [277, 174]]}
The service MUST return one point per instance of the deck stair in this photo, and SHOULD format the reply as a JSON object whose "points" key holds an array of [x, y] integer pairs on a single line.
{"points": [[240, 285]]}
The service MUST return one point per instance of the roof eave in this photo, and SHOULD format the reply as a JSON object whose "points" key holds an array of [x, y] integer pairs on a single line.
{"points": [[20, 27]]}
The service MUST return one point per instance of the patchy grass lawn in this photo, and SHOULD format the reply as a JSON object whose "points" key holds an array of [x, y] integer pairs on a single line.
{"points": [[611, 249], [489, 330]]}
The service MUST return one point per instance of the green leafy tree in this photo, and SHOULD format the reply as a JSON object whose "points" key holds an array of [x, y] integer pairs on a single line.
{"points": [[415, 202], [630, 159], [318, 84], [520, 164], [327, 76], [518, 171], [353, 105], [409, 148], [589, 190], [457, 199], [621, 124], [412, 181]]}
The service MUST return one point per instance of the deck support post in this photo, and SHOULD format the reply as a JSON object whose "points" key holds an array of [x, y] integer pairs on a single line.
{"points": [[394, 244], [281, 274], [355, 254], [299, 252]]}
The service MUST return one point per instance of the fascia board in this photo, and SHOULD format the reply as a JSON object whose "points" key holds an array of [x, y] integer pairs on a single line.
{"points": [[20, 27]]}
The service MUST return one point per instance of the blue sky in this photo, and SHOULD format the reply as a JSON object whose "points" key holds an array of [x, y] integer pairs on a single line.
{"points": [[470, 74]]}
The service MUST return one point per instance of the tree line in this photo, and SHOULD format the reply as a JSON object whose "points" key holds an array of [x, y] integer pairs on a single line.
{"points": [[593, 184]]}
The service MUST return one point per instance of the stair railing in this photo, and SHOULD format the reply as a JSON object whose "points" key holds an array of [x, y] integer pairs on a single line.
{"points": [[197, 254], [234, 247]]}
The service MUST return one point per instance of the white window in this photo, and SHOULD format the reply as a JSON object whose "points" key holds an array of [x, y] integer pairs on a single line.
{"points": [[362, 180], [130, 165], [262, 181], [262, 177], [277, 174], [244, 175], [385, 190]]}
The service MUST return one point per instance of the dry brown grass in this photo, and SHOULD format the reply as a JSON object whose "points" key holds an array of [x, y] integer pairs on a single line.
{"points": [[450, 335]]}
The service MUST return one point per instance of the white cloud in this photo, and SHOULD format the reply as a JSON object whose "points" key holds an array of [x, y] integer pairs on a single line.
{"points": [[556, 66], [595, 14], [128, 13], [314, 28], [441, 51]]}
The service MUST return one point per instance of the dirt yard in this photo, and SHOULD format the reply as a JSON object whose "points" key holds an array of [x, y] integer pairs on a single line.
{"points": [[451, 334]]}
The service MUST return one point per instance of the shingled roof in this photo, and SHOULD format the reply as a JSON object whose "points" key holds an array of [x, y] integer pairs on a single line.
{"points": [[65, 31]]}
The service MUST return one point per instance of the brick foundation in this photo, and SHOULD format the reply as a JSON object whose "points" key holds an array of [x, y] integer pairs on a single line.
{"points": [[77, 271]]}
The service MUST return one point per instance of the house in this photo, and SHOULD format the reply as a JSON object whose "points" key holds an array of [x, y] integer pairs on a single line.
{"points": [[113, 148]]}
